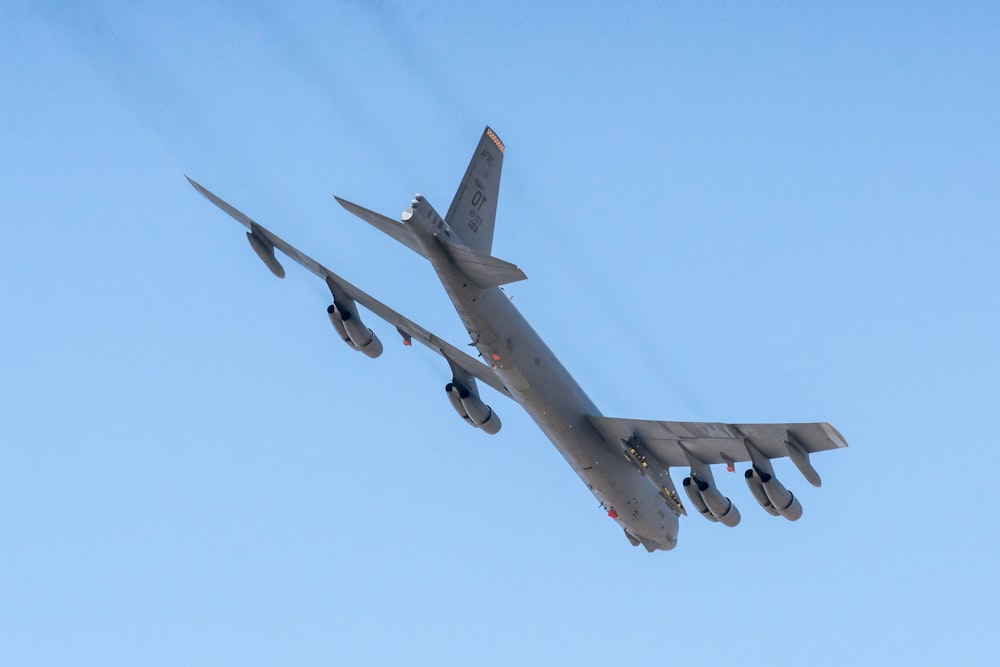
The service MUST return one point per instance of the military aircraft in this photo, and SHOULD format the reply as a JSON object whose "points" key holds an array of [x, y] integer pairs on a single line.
{"points": [[624, 462]]}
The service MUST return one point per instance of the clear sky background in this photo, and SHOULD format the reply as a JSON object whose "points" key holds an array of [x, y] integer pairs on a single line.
{"points": [[728, 212]]}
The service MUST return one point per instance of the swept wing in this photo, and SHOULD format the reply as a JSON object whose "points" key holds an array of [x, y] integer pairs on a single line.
{"points": [[674, 443], [407, 327]]}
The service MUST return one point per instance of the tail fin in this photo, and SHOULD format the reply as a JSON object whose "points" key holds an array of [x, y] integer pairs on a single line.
{"points": [[473, 211]]}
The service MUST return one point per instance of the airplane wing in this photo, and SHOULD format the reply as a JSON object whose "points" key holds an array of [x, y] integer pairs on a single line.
{"points": [[715, 442], [404, 325]]}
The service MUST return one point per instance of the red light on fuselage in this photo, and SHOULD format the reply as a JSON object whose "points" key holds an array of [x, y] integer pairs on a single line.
{"points": [[613, 514]]}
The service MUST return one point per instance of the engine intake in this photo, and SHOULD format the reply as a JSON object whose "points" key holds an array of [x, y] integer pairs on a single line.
{"points": [[694, 495], [710, 503], [758, 493], [700, 488], [338, 325]]}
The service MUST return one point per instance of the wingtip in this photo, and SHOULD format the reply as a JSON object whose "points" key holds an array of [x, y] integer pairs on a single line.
{"points": [[834, 435], [196, 185]]}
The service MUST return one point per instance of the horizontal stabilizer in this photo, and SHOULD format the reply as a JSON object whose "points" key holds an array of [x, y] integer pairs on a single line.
{"points": [[484, 270], [396, 230]]}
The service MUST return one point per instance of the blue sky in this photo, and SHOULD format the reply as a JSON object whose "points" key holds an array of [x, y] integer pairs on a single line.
{"points": [[731, 212]]}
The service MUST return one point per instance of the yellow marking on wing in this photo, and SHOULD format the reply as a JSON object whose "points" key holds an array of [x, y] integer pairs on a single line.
{"points": [[495, 139]]}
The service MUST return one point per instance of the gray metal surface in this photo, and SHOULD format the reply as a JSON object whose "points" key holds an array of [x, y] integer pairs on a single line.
{"points": [[475, 367], [717, 443], [624, 462]]}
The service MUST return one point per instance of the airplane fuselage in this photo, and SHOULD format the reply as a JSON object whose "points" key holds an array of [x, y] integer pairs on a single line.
{"points": [[625, 462], [545, 389]]}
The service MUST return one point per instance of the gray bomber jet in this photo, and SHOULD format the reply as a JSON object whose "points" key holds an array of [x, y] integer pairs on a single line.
{"points": [[624, 462]]}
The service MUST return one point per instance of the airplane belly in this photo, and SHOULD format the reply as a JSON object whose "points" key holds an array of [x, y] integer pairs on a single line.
{"points": [[627, 497], [624, 462], [553, 399]]}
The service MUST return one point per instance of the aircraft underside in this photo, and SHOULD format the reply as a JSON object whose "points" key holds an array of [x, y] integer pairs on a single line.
{"points": [[624, 462]]}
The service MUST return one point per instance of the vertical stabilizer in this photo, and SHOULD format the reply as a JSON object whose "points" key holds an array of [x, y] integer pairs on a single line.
{"points": [[473, 211]]}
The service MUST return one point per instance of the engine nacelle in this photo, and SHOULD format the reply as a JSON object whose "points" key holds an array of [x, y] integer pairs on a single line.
{"points": [[338, 325], [456, 402], [719, 505], [470, 406], [781, 499], [350, 327], [694, 495], [480, 414], [786, 504], [758, 493], [710, 503]]}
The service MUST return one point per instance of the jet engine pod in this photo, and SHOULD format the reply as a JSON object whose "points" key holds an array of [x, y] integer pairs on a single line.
{"points": [[481, 414], [456, 403], [361, 336], [691, 489], [719, 505], [758, 493], [781, 498], [471, 407], [710, 503], [338, 326]]}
